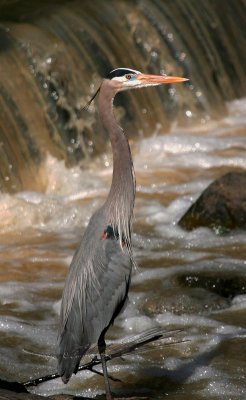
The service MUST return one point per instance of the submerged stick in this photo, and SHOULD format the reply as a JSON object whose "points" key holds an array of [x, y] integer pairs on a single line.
{"points": [[118, 350]]}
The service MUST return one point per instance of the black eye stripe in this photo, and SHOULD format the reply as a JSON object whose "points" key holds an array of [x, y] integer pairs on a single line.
{"points": [[120, 72]]}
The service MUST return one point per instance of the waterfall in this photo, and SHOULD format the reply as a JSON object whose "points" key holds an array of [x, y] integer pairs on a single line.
{"points": [[54, 54]]}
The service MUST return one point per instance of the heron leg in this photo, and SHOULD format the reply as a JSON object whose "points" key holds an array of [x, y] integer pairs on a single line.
{"points": [[101, 349]]}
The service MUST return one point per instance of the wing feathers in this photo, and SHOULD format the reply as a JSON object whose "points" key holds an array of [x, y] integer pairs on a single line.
{"points": [[93, 296]]}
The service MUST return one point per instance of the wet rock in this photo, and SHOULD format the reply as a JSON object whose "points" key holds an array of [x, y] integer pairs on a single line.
{"points": [[226, 285], [222, 206], [18, 391], [12, 386], [185, 300], [11, 395]]}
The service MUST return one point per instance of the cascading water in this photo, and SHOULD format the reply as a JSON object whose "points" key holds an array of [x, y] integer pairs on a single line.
{"points": [[53, 56]]}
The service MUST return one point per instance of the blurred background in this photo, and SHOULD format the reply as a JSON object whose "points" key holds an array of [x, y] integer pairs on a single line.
{"points": [[56, 168]]}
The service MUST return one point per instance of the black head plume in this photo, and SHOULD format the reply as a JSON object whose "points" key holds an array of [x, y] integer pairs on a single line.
{"points": [[121, 72], [91, 99]]}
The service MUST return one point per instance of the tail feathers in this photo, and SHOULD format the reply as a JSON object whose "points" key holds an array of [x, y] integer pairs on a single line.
{"points": [[67, 365], [69, 356]]}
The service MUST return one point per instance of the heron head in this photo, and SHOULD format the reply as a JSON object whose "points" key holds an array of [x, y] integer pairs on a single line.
{"points": [[125, 78]]}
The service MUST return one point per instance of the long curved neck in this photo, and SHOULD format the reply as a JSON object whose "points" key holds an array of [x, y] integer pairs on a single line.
{"points": [[120, 201]]}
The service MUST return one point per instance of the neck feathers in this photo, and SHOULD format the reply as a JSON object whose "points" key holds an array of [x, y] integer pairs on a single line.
{"points": [[120, 202]]}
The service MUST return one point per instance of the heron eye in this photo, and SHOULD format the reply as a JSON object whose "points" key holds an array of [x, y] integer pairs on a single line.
{"points": [[128, 76]]}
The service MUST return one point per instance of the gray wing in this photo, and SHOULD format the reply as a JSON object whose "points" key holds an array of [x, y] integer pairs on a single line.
{"points": [[95, 292]]}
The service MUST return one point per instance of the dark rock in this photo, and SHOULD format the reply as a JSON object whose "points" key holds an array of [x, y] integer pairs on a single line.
{"points": [[12, 395], [18, 391], [14, 386], [186, 300], [222, 206], [226, 285]]}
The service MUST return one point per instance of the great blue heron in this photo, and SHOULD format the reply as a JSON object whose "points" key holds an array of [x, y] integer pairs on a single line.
{"points": [[99, 277]]}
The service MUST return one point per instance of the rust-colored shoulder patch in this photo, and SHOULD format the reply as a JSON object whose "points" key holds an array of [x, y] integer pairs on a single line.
{"points": [[104, 235]]}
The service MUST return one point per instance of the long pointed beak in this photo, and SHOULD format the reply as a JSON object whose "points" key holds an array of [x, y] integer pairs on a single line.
{"points": [[159, 79]]}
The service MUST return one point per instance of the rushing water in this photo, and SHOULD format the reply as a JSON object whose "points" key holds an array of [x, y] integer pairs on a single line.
{"points": [[192, 281]]}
